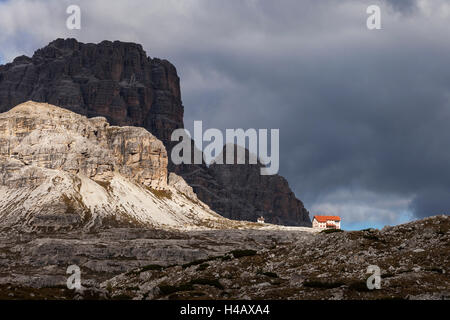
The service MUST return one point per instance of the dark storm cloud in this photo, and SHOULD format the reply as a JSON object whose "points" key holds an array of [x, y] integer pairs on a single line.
{"points": [[363, 115], [432, 201], [369, 113], [403, 5]]}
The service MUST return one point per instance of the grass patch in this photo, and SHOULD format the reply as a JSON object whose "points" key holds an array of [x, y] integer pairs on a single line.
{"points": [[390, 298], [197, 262], [197, 294], [105, 184], [203, 261], [123, 297], [168, 289], [161, 194], [203, 266], [208, 282], [226, 257], [270, 274], [191, 200], [152, 267], [70, 205], [387, 275], [133, 288], [331, 230], [360, 286], [434, 269], [243, 253], [322, 284], [371, 237]]}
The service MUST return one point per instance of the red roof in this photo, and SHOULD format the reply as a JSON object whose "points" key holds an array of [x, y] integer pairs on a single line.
{"points": [[327, 218]]}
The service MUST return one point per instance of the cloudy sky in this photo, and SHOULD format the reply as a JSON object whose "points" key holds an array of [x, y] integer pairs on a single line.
{"points": [[363, 114]]}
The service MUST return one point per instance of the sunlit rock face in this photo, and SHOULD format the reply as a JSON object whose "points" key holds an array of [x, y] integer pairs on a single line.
{"points": [[44, 136], [61, 170]]}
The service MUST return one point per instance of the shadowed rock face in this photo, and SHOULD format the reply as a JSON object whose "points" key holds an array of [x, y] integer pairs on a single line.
{"points": [[115, 80], [118, 81], [240, 192]]}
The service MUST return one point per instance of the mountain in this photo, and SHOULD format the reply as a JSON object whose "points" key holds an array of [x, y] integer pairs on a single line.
{"points": [[118, 81], [240, 192], [63, 171]]}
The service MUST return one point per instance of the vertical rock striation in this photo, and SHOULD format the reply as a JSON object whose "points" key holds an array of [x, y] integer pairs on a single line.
{"points": [[115, 80]]}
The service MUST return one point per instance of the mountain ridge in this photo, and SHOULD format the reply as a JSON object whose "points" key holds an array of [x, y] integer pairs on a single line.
{"points": [[118, 81], [64, 171]]}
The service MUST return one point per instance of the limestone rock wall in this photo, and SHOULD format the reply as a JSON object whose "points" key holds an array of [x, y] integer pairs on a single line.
{"points": [[45, 136]]}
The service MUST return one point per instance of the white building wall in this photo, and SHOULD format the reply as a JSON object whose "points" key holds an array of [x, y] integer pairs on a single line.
{"points": [[323, 225]]}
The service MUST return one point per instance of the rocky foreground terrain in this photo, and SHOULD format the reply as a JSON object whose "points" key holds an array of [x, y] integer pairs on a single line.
{"points": [[230, 264]]}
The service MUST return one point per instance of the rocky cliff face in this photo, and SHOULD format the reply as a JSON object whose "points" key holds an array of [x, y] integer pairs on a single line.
{"points": [[44, 136], [61, 170], [117, 80]]}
